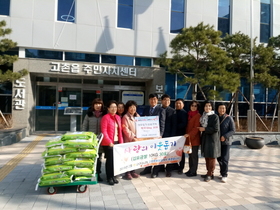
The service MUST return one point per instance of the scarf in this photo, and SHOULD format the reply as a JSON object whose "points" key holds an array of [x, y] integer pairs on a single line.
{"points": [[204, 118], [97, 113], [191, 114]]}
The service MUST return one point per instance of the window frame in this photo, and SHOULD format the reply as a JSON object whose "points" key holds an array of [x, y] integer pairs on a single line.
{"points": [[132, 15], [72, 8], [172, 31]]}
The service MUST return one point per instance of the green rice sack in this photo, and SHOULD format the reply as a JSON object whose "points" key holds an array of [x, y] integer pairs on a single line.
{"points": [[65, 158], [61, 151], [87, 153], [54, 176], [83, 178], [53, 160], [80, 163], [78, 135], [51, 182], [55, 168], [82, 143], [54, 142], [80, 172]]}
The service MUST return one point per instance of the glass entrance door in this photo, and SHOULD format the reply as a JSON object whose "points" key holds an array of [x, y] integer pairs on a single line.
{"points": [[110, 95], [45, 109], [68, 97]]}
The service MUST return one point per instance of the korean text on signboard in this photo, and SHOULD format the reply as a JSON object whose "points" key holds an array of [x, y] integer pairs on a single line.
{"points": [[75, 68], [139, 154], [147, 127], [19, 94]]}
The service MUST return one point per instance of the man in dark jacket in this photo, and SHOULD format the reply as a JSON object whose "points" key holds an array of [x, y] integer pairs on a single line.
{"points": [[154, 110], [227, 129], [169, 112], [180, 120]]}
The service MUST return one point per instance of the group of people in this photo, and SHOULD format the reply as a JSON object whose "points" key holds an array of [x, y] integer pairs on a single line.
{"points": [[207, 130]]}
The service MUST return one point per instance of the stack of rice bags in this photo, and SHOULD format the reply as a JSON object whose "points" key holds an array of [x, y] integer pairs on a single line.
{"points": [[70, 157]]}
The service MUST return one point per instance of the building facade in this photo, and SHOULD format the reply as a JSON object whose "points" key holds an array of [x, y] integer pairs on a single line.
{"points": [[77, 50]]}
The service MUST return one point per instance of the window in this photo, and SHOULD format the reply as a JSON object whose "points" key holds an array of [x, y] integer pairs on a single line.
{"points": [[82, 57], [5, 7], [31, 53], [265, 21], [125, 13], [143, 62], [177, 16], [66, 10], [108, 59], [124, 60], [224, 17]]}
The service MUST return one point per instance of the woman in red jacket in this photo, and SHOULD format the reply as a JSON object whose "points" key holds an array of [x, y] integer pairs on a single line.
{"points": [[112, 134], [193, 136]]}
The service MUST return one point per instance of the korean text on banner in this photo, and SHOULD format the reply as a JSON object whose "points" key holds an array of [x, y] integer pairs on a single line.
{"points": [[147, 127], [139, 154]]}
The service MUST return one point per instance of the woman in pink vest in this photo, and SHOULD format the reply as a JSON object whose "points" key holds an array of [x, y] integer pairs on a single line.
{"points": [[112, 131]]}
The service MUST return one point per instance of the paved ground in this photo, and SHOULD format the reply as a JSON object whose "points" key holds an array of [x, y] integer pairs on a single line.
{"points": [[253, 183]]}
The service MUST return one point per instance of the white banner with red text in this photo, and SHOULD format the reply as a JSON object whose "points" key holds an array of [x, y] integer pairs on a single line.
{"points": [[140, 154]]}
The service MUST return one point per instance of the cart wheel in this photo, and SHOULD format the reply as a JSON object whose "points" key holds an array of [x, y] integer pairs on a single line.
{"points": [[82, 188], [52, 190]]}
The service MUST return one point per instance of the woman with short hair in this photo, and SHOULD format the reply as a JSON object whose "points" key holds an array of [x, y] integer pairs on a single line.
{"points": [[129, 130], [112, 134], [92, 123], [210, 139]]}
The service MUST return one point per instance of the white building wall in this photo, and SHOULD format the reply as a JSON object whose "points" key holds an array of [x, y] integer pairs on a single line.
{"points": [[241, 17], [276, 18], [205, 11], [34, 25]]}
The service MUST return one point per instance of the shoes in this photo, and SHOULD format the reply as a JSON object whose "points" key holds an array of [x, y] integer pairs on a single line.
{"points": [[168, 174], [224, 179], [191, 174], [128, 176], [134, 175], [207, 178], [204, 176], [180, 172], [99, 179], [154, 175], [111, 181], [220, 177], [115, 180], [144, 172]]}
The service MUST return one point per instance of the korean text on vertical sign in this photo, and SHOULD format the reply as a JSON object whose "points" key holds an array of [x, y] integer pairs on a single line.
{"points": [[19, 94]]}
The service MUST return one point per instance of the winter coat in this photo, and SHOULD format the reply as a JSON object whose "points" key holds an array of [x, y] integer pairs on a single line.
{"points": [[180, 120], [108, 129], [158, 111], [128, 127], [92, 123], [227, 128], [210, 138], [169, 112], [192, 130]]}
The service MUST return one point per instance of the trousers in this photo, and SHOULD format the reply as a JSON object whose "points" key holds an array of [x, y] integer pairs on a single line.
{"points": [[223, 160], [109, 165], [210, 166], [193, 160]]}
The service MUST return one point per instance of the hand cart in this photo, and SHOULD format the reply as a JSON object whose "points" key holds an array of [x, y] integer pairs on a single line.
{"points": [[81, 185]]}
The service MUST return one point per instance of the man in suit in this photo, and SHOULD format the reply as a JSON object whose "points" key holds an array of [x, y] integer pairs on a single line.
{"points": [[169, 126], [154, 110]]}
